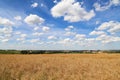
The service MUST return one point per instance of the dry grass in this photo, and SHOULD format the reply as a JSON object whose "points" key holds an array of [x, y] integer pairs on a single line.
{"points": [[60, 67]]}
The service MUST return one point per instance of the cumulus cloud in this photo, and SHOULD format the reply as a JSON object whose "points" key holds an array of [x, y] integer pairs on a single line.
{"points": [[18, 18], [108, 38], [115, 2], [37, 34], [69, 33], [5, 34], [97, 33], [33, 19], [36, 28], [6, 30], [51, 37], [115, 28], [69, 28], [23, 35], [105, 25], [6, 22], [4, 40], [110, 26], [99, 7], [72, 11], [34, 40], [89, 42], [18, 32], [45, 28], [65, 41], [20, 39], [34, 5], [107, 32], [80, 36]]}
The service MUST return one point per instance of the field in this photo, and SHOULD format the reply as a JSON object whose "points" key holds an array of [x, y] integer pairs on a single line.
{"points": [[60, 67]]}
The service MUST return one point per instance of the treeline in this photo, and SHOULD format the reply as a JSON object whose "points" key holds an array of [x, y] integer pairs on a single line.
{"points": [[111, 51], [51, 51], [57, 51], [10, 52], [44, 51]]}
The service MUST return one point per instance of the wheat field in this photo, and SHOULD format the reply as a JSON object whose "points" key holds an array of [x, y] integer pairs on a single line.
{"points": [[60, 67]]}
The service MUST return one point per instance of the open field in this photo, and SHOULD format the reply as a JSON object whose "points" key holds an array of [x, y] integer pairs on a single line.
{"points": [[60, 67]]}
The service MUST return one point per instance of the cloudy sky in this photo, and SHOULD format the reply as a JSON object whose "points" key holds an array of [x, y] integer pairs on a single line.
{"points": [[60, 24]]}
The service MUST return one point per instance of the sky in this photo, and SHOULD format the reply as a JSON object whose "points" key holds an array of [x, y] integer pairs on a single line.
{"points": [[60, 24]]}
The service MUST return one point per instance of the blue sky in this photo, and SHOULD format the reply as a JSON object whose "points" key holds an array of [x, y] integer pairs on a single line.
{"points": [[60, 24]]}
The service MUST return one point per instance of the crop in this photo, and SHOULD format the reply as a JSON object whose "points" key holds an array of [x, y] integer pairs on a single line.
{"points": [[60, 67]]}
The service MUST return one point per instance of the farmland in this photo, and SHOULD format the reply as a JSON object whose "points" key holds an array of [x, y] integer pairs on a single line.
{"points": [[101, 66]]}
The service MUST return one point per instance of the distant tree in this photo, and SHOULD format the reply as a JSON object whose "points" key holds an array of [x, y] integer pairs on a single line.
{"points": [[24, 52]]}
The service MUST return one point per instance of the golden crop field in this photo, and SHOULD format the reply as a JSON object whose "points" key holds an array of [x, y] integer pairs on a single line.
{"points": [[60, 67]]}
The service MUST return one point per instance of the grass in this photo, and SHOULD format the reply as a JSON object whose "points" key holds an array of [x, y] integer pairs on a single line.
{"points": [[60, 67]]}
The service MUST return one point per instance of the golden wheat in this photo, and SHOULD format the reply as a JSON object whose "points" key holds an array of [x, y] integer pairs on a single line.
{"points": [[60, 67]]}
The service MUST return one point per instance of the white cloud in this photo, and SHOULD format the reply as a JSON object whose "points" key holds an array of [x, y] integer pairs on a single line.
{"points": [[5, 40], [69, 28], [80, 36], [23, 35], [115, 28], [90, 40], [37, 34], [107, 32], [69, 33], [99, 7], [55, 1], [34, 40], [71, 11], [33, 19], [110, 26], [105, 25], [6, 22], [65, 41], [45, 28], [34, 5], [36, 28], [18, 32], [5, 34], [8, 35], [51, 37], [1, 37], [6, 30], [18, 18], [108, 38], [115, 2], [20, 39], [101, 37], [97, 33]]}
